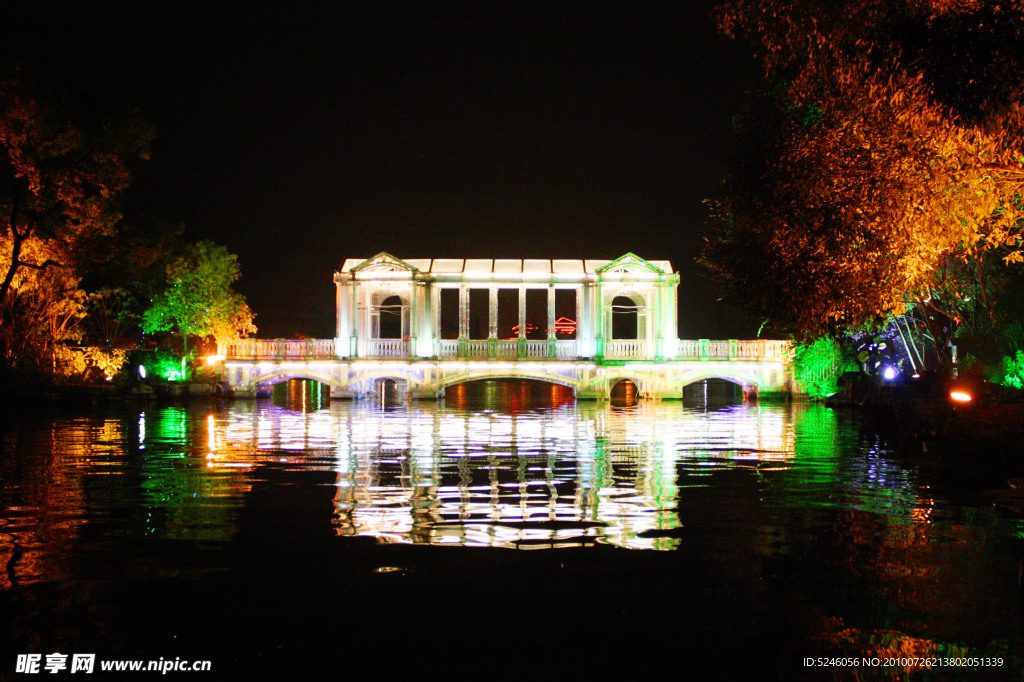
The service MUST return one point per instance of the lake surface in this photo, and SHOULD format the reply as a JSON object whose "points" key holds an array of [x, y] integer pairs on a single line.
{"points": [[506, 532]]}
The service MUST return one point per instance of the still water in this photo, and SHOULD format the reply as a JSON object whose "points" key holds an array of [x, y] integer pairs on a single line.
{"points": [[504, 532]]}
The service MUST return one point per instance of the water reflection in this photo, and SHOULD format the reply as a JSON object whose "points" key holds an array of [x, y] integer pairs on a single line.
{"points": [[792, 511], [507, 396], [483, 469], [713, 393], [304, 395]]}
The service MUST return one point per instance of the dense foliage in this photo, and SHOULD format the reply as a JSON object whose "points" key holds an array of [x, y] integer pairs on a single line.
{"points": [[198, 299], [880, 173], [74, 272], [816, 367]]}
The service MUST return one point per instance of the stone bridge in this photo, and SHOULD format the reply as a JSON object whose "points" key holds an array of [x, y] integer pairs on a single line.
{"points": [[428, 324]]}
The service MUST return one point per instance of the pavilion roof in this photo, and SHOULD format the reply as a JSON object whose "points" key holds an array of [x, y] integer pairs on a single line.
{"points": [[505, 266]]}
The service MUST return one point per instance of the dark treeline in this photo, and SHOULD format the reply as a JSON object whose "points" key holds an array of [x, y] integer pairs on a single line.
{"points": [[876, 199], [81, 282]]}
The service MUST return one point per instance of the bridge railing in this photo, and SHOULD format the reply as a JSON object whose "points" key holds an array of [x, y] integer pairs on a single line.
{"points": [[720, 350], [626, 350], [446, 348], [565, 349], [506, 349], [278, 349], [476, 349], [387, 348], [688, 349], [759, 350], [537, 349]]}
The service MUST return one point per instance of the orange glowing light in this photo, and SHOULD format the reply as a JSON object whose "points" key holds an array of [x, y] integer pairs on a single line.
{"points": [[211, 434], [564, 325], [960, 396], [530, 327]]}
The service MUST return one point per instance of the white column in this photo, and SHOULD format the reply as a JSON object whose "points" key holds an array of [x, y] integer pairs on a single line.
{"points": [[426, 326], [551, 311], [364, 328], [657, 323], [492, 313], [341, 345], [463, 312], [414, 313], [671, 331], [580, 349], [353, 315], [522, 312], [587, 323], [435, 302]]}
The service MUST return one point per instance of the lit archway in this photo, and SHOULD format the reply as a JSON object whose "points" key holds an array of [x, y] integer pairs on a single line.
{"points": [[385, 391], [715, 391], [508, 394], [624, 392], [302, 394]]}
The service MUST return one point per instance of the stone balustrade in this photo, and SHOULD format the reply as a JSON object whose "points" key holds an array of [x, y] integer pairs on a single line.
{"points": [[509, 349]]}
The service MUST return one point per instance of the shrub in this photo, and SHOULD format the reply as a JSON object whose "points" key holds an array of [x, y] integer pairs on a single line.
{"points": [[817, 365]]}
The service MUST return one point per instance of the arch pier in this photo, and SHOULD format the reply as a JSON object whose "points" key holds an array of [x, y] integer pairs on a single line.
{"points": [[429, 324]]}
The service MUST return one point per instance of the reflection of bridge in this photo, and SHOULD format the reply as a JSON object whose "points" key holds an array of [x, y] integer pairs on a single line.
{"points": [[535, 479], [428, 324]]}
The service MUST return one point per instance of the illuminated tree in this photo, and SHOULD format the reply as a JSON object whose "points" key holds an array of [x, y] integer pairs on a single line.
{"points": [[885, 157], [41, 311], [198, 299], [58, 180], [817, 365]]}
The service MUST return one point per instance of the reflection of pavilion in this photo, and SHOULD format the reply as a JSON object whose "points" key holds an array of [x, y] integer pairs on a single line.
{"points": [[570, 477]]}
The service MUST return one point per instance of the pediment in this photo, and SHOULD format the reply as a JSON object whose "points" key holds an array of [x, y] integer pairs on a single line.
{"points": [[384, 262], [628, 264]]}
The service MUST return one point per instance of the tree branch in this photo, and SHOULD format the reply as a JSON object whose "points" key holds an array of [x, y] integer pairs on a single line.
{"points": [[40, 266]]}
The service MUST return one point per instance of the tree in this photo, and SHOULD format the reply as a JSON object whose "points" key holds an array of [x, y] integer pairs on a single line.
{"points": [[198, 299], [42, 309], [110, 313], [882, 171], [125, 271], [59, 180]]}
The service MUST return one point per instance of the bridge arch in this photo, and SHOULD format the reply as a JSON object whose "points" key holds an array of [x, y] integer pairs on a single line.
{"points": [[623, 389], [365, 381], [602, 385], [465, 377], [276, 377], [736, 376]]}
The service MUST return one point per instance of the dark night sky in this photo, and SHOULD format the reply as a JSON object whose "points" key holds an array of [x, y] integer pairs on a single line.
{"points": [[298, 136]]}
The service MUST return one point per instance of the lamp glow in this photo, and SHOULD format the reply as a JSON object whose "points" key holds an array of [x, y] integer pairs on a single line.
{"points": [[960, 396], [889, 373]]}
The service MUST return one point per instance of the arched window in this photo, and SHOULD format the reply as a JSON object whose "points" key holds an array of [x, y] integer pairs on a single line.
{"points": [[389, 319], [627, 318]]}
